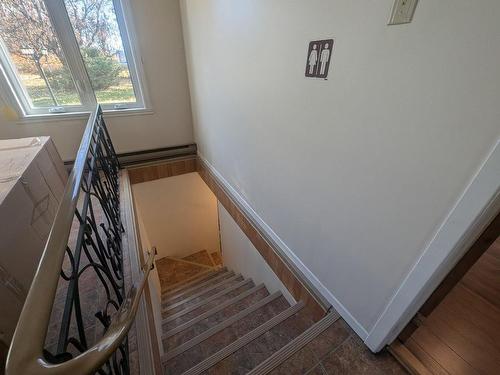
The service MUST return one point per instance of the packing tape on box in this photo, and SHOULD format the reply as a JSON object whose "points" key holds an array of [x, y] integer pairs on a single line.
{"points": [[35, 142], [12, 284]]}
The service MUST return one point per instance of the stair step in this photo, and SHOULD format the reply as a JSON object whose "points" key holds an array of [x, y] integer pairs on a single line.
{"points": [[194, 310], [267, 312], [219, 317], [173, 288], [212, 311], [251, 355], [201, 303], [198, 278], [244, 340], [199, 296], [195, 289], [294, 346]]}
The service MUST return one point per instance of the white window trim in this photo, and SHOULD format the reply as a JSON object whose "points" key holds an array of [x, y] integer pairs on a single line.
{"points": [[76, 116], [15, 95], [128, 33]]}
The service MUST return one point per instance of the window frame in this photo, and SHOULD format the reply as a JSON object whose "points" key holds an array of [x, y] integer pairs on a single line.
{"points": [[16, 95]]}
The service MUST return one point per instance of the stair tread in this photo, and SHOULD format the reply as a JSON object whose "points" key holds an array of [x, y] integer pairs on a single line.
{"points": [[201, 296], [297, 355], [196, 288], [208, 285], [251, 355], [211, 345], [318, 347], [243, 340], [199, 277], [188, 283], [205, 324], [244, 293], [167, 325]]}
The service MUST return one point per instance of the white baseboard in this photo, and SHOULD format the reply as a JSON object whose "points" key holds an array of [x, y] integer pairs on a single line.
{"points": [[285, 250], [474, 210]]}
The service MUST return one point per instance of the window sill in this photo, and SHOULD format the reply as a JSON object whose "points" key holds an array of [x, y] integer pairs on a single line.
{"points": [[57, 117]]}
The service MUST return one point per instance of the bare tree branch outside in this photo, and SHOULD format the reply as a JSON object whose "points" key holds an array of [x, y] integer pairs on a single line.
{"points": [[37, 55]]}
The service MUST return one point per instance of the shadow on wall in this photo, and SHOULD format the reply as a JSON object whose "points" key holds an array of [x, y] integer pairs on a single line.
{"points": [[179, 214], [3, 356]]}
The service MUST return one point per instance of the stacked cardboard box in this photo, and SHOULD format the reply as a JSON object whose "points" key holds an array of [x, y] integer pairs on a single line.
{"points": [[32, 181]]}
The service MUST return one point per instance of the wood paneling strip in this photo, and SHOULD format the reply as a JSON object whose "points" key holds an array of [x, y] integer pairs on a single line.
{"points": [[161, 170]]}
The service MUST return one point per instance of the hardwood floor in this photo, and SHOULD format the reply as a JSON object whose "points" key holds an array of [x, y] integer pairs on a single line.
{"points": [[483, 279], [462, 335]]}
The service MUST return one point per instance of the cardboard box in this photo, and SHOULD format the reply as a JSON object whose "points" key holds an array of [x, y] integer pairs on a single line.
{"points": [[32, 181]]}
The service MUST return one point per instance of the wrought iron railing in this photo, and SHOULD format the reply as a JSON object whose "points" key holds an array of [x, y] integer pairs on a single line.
{"points": [[77, 314]]}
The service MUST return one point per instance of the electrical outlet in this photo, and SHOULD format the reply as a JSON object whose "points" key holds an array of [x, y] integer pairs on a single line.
{"points": [[402, 11]]}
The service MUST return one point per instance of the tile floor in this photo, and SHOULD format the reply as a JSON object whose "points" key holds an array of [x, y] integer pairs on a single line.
{"points": [[338, 350]]}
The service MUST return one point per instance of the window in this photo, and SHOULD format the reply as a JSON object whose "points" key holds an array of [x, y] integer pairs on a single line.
{"points": [[67, 55]]}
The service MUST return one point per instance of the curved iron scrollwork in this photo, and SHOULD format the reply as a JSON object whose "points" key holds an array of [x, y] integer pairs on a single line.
{"points": [[92, 284]]}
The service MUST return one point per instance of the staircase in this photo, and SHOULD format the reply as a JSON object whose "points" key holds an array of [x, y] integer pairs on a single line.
{"points": [[217, 322]]}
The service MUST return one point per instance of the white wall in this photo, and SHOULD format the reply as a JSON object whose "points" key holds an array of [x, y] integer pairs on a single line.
{"points": [[354, 174], [179, 214], [240, 256], [159, 33]]}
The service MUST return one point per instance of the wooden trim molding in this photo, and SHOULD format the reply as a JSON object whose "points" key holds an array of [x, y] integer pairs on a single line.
{"points": [[293, 281], [147, 342], [155, 171], [407, 359]]}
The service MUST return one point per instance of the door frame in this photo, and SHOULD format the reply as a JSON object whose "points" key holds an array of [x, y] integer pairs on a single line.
{"points": [[474, 211], [482, 244]]}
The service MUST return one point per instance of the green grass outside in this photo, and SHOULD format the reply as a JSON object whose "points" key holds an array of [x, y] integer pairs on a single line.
{"points": [[40, 96]]}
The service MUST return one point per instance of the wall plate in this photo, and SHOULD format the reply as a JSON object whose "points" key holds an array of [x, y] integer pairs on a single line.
{"points": [[402, 11]]}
